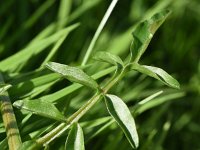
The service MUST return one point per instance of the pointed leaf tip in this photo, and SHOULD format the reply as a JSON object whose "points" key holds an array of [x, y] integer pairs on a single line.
{"points": [[109, 58], [73, 74], [144, 32], [158, 74], [120, 112]]}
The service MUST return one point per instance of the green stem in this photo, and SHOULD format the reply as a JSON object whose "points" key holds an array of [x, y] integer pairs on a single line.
{"points": [[98, 31], [72, 119], [78, 114], [51, 135], [114, 81], [10, 123], [46, 139]]}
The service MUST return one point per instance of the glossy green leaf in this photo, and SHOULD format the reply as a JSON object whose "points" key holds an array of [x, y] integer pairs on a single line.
{"points": [[120, 112], [144, 32], [69, 89], [41, 108], [73, 74], [75, 139], [157, 73], [109, 58]]}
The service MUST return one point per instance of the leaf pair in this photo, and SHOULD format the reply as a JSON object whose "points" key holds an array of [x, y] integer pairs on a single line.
{"points": [[42, 108], [154, 72], [141, 39]]}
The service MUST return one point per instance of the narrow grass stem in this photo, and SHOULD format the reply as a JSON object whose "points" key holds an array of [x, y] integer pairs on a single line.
{"points": [[53, 50], [98, 31], [9, 120]]}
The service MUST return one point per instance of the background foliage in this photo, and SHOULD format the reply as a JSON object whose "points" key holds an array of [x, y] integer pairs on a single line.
{"points": [[171, 121]]}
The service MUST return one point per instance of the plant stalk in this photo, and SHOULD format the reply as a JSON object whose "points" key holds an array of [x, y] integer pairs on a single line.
{"points": [[72, 119], [9, 120]]}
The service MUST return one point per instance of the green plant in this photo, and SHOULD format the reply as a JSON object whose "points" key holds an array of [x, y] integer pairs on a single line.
{"points": [[119, 111], [40, 33]]}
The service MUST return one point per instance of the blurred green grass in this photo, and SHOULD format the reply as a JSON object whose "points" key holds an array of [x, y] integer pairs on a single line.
{"points": [[174, 124]]}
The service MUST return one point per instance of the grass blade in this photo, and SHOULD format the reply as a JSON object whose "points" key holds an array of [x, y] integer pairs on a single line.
{"points": [[63, 13], [156, 102], [37, 14], [82, 9], [27, 87], [22, 56], [53, 50]]}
